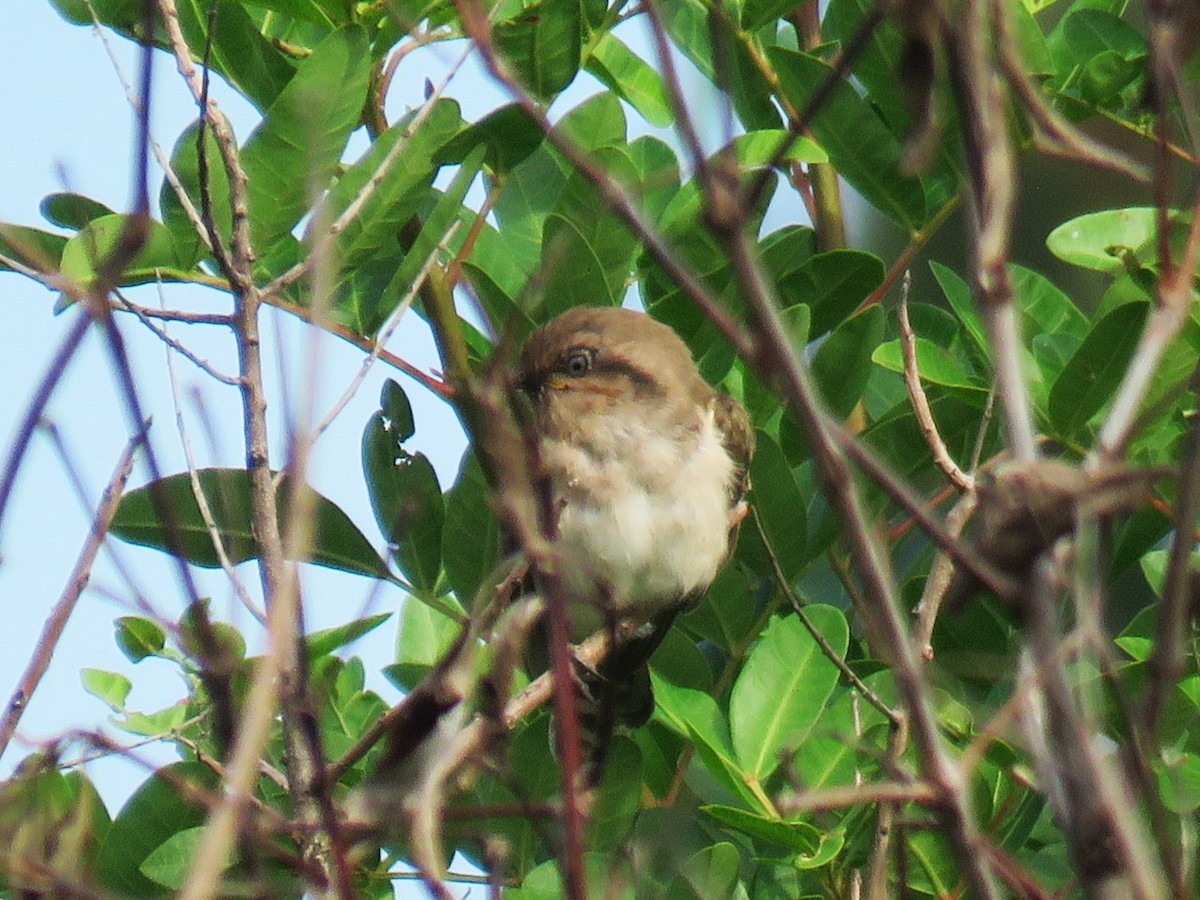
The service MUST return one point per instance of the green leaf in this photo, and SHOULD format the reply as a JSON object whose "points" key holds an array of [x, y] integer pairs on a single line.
{"points": [[712, 872], [783, 688], [336, 543], [958, 295], [1093, 373], [300, 142], [324, 642], [139, 638], [412, 145], [1044, 308], [727, 613], [508, 133], [89, 251], [1091, 32], [158, 809], [1105, 76], [405, 496], [185, 162], [798, 837], [632, 78], [1179, 781], [471, 535], [779, 506], [425, 636], [543, 45], [755, 149], [1137, 638], [432, 235], [692, 25], [859, 145], [879, 62], [842, 363], [170, 863], [111, 687], [74, 211], [757, 13], [1093, 241], [240, 51], [695, 715], [39, 250], [832, 284], [657, 172], [934, 364]]}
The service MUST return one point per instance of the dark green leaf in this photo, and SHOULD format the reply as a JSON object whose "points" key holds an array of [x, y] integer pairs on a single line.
{"points": [[859, 145], [1092, 375], [138, 637], [185, 163], [39, 250], [471, 537], [406, 499], [691, 25], [396, 409], [508, 133], [432, 235], [300, 142], [727, 613], [411, 147], [799, 837], [778, 505], [543, 45], [336, 542], [74, 211], [712, 872], [240, 52], [1091, 32], [783, 688], [958, 295], [158, 810], [1106, 75], [832, 284], [842, 364]]}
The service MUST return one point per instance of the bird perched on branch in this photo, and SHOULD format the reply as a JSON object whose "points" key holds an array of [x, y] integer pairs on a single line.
{"points": [[648, 471]]}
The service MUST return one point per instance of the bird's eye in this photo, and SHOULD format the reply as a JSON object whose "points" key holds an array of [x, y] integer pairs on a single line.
{"points": [[579, 362]]}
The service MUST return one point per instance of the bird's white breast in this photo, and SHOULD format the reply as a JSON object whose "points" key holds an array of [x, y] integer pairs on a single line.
{"points": [[644, 516]]}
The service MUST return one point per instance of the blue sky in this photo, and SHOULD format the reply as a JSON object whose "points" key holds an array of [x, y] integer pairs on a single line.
{"points": [[69, 126]]}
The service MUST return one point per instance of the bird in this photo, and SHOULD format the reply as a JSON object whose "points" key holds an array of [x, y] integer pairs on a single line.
{"points": [[648, 473]]}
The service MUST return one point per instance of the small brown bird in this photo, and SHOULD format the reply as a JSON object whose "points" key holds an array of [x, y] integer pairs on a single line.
{"points": [[649, 469]]}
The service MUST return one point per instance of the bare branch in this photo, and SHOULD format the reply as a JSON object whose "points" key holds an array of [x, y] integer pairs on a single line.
{"points": [[56, 622]]}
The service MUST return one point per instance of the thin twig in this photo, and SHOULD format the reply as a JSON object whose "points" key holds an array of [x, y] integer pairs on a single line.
{"points": [[56, 622], [385, 335], [202, 500], [822, 642], [920, 403]]}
